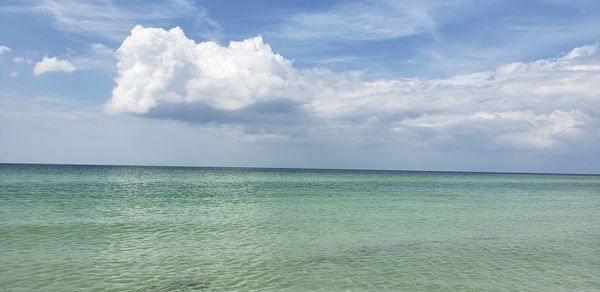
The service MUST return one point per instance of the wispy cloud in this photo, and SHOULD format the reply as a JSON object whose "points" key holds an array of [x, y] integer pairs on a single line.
{"points": [[438, 38], [22, 60], [112, 20], [96, 56], [361, 21]]}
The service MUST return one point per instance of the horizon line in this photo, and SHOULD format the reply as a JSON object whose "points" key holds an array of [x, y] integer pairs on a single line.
{"points": [[301, 168]]}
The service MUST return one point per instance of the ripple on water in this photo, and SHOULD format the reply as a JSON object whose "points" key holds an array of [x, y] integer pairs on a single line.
{"points": [[169, 229]]}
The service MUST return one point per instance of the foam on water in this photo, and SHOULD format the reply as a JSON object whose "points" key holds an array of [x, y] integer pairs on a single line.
{"points": [[163, 229]]}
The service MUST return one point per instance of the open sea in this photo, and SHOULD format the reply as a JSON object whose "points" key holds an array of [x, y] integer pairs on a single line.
{"points": [[80, 228]]}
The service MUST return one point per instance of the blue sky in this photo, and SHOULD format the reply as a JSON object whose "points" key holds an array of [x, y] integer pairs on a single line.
{"points": [[424, 85]]}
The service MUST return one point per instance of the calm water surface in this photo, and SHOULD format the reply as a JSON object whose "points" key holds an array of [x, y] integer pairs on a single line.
{"points": [[65, 228]]}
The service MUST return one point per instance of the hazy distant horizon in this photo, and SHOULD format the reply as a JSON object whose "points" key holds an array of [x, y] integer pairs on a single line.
{"points": [[296, 168]]}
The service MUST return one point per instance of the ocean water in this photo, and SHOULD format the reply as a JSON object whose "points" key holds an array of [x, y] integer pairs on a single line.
{"points": [[66, 228]]}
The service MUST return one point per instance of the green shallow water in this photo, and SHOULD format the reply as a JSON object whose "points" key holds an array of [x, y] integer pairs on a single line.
{"points": [[65, 228]]}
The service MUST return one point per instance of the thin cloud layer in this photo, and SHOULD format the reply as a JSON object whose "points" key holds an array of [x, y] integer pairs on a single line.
{"points": [[47, 65], [360, 21], [111, 20], [543, 104]]}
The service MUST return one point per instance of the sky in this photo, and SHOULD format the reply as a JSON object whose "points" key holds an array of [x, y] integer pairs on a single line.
{"points": [[464, 85]]}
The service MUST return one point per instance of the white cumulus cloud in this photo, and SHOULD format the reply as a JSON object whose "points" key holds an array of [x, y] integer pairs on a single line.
{"points": [[52, 64], [542, 104], [158, 66], [4, 49]]}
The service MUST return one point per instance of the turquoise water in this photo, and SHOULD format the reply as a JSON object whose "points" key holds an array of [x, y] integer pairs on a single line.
{"points": [[65, 228]]}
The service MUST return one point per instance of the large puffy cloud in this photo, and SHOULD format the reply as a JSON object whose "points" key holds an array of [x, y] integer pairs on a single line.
{"points": [[53, 64], [158, 66], [535, 105]]}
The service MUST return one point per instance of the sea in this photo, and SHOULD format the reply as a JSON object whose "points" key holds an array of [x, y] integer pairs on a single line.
{"points": [[138, 228]]}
